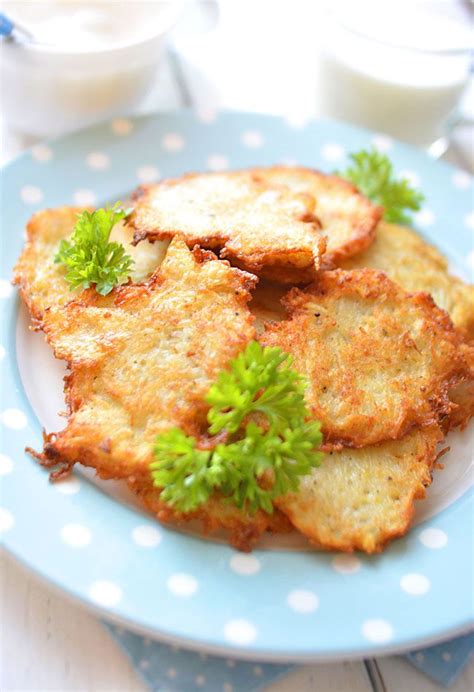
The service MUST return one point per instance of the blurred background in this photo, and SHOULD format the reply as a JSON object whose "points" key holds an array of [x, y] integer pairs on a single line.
{"points": [[400, 67]]}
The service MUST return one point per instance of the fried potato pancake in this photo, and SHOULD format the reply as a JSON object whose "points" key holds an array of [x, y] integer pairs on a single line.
{"points": [[378, 360], [417, 266], [244, 529], [42, 282], [142, 359], [266, 229], [360, 499], [462, 393], [348, 219]]}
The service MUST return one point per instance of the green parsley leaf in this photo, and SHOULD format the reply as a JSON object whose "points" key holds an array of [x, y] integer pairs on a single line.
{"points": [[258, 407], [372, 173], [89, 257]]}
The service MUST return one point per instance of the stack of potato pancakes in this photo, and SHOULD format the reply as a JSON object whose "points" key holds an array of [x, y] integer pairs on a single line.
{"points": [[379, 330]]}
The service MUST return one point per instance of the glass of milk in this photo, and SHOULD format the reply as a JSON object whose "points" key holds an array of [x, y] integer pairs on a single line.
{"points": [[90, 60], [394, 68]]}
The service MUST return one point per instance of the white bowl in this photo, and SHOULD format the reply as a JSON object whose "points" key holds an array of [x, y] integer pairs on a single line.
{"points": [[47, 90]]}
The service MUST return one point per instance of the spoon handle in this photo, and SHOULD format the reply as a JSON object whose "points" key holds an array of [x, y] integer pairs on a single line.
{"points": [[6, 25]]}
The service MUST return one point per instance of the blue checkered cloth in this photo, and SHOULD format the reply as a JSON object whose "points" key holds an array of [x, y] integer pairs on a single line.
{"points": [[167, 668]]}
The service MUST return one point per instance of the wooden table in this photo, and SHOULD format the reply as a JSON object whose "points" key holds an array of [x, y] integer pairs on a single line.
{"points": [[50, 643]]}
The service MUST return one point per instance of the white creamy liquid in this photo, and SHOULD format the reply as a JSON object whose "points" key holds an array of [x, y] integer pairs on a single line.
{"points": [[407, 93], [79, 25]]}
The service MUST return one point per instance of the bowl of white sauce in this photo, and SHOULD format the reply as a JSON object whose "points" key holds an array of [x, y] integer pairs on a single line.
{"points": [[88, 61]]}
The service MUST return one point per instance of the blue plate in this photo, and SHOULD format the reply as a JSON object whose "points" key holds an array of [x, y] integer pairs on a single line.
{"points": [[276, 604]]}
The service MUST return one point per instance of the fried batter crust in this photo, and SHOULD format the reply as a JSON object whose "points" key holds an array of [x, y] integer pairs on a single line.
{"points": [[417, 266], [244, 529], [360, 499], [266, 229], [377, 359], [142, 359], [41, 280], [348, 219]]}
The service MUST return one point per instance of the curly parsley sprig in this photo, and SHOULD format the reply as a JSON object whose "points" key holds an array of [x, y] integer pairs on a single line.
{"points": [[89, 257], [372, 173], [259, 405]]}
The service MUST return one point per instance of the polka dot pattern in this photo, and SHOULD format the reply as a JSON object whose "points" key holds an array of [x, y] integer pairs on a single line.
{"points": [[76, 535], [31, 194], [377, 631], [103, 169], [98, 161], [424, 218], [433, 538], [173, 142], [240, 632], [183, 585], [14, 419], [303, 601], [245, 564], [85, 198], [415, 584], [105, 593], [146, 536]]}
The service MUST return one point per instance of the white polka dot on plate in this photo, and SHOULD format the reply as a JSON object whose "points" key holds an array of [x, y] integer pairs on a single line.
{"points": [[146, 536], [252, 139], [412, 177], [76, 535], [207, 115], [14, 419], [31, 194], [217, 162], [171, 673], [85, 198], [105, 593], [98, 161], [121, 126], [433, 538], [67, 486], [382, 142], [415, 584], [6, 520], [303, 601], [200, 680], [333, 152], [424, 218], [377, 631], [245, 564], [462, 180], [240, 632], [148, 173], [172, 141], [346, 564], [2, 352], [42, 153], [182, 585], [6, 465], [6, 289], [469, 220]]}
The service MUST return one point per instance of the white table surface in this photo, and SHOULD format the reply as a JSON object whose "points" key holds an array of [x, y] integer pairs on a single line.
{"points": [[50, 643]]}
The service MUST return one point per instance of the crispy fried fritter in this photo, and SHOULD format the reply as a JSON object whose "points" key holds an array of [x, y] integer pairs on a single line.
{"points": [[348, 219], [378, 360], [359, 499], [244, 529], [411, 262], [462, 393], [266, 229], [142, 358], [42, 282]]}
